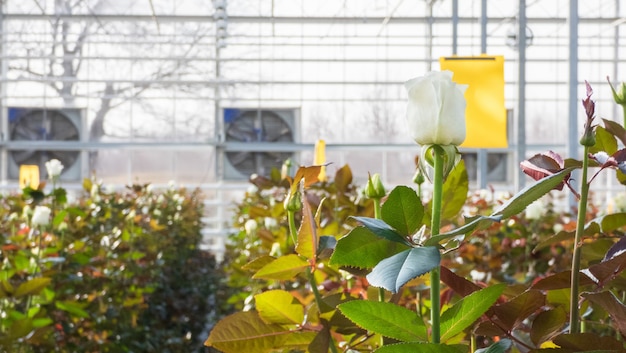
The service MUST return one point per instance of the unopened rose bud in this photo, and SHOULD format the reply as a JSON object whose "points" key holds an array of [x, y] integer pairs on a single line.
{"points": [[419, 178], [293, 202], [375, 188]]}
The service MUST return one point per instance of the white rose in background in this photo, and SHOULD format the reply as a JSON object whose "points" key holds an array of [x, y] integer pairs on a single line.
{"points": [[54, 167], [436, 109], [250, 226], [41, 216], [535, 210]]}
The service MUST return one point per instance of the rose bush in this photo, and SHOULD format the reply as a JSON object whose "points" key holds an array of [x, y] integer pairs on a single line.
{"points": [[111, 272]]}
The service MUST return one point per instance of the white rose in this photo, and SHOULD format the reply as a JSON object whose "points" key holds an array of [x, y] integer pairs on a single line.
{"points": [[436, 109], [270, 223], [41, 216], [54, 168], [250, 226], [535, 210]]}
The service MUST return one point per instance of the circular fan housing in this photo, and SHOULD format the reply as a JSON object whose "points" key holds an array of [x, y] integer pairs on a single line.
{"points": [[258, 126], [43, 125]]}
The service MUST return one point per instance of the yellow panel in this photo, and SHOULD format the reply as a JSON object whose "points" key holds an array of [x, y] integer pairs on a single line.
{"points": [[319, 158], [29, 176], [485, 112]]}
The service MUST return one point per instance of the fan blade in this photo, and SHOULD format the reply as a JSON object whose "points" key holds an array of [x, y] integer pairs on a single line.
{"points": [[25, 157], [239, 157]]}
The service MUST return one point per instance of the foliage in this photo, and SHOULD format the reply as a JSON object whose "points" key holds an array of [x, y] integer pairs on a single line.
{"points": [[515, 272], [503, 277], [112, 272]]}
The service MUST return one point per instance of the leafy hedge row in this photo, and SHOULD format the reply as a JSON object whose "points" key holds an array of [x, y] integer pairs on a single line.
{"points": [[335, 308], [111, 272]]}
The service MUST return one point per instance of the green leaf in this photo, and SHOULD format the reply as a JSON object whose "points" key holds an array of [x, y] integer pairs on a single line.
{"points": [[6, 289], [20, 328], [59, 217], [403, 210], [501, 346], [420, 348], [555, 239], [33, 286], [326, 246], [605, 141], [321, 342], [258, 263], [455, 190], [463, 313], [513, 206], [60, 195], [362, 249], [615, 129], [547, 324], [606, 223], [394, 272], [73, 308], [283, 268], [307, 233], [531, 193], [246, 332], [382, 229], [387, 319], [279, 307], [472, 224]]}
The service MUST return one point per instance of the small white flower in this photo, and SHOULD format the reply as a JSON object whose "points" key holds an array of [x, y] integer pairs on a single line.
{"points": [[270, 223], [26, 212], [41, 216], [535, 210], [250, 226], [557, 228], [54, 167]]}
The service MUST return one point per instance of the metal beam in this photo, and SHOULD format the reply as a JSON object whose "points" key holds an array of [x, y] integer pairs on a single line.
{"points": [[521, 92], [573, 136]]}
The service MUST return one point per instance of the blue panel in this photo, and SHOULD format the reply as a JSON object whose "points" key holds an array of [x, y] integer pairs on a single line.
{"points": [[15, 113], [230, 114]]}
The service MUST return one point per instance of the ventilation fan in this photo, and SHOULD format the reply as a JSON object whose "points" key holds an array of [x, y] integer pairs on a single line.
{"points": [[34, 124], [257, 126], [497, 166]]}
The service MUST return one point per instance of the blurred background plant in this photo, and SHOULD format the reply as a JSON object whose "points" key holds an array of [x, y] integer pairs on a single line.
{"points": [[119, 272], [529, 251]]}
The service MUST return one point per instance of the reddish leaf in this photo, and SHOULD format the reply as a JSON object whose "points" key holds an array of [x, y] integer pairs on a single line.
{"points": [[343, 178], [588, 104], [607, 270], [560, 280], [547, 324], [458, 284], [544, 164], [511, 313], [617, 249], [613, 306], [583, 342]]}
